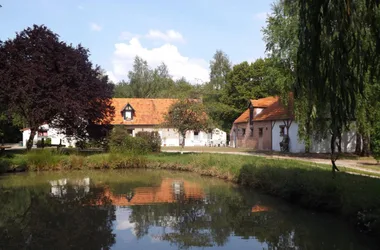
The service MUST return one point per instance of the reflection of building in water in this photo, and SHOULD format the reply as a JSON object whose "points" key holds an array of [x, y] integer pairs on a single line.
{"points": [[259, 208], [169, 191], [59, 187]]}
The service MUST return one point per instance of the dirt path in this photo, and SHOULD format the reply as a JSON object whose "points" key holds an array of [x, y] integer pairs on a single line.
{"points": [[358, 165]]}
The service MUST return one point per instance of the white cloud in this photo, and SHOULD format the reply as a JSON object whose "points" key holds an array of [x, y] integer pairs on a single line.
{"points": [[125, 35], [95, 27], [193, 69], [80, 7], [123, 220], [111, 76], [168, 36], [262, 16]]}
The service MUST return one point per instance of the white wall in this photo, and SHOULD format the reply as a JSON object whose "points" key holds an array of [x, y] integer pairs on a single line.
{"points": [[170, 137], [323, 146], [295, 146], [52, 133], [317, 146]]}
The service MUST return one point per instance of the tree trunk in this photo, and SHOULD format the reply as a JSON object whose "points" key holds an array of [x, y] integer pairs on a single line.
{"points": [[29, 143], [365, 150], [183, 142], [333, 155], [339, 144], [358, 148]]}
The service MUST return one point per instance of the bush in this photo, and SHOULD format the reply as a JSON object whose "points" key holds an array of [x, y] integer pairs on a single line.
{"points": [[82, 144], [144, 142], [44, 159], [47, 143], [4, 165], [118, 134], [153, 139]]}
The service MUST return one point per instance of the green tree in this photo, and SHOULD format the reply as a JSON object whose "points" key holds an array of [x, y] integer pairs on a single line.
{"points": [[186, 115], [248, 81], [221, 113], [375, 141], [220, 66], [336, 51], [141, 79]]}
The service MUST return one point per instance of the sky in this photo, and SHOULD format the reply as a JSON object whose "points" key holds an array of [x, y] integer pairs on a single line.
{"points": [[184, 34]]}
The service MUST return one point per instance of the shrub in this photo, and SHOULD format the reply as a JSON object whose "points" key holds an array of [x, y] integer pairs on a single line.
{"points": [[44, 159], [46, 143], [153, 139], [144, 142], [117, 136], [4, 165]]}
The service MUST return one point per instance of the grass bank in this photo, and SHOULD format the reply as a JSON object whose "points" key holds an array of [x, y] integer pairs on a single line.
{"points": [[309, 185]]}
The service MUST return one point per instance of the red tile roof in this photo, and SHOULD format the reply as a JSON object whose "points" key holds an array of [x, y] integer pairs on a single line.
{"points": [[264, 102], [259, 103], [277, 111], [146, 111], [243, 118], [151, 195], [273, 110]]}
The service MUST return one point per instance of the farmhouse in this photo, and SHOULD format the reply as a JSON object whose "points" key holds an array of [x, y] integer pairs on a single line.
{"points": [[268, 123], [139, 114]]}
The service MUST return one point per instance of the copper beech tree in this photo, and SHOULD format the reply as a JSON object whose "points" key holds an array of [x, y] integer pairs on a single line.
{"points": [[45, 80], [186, 115]]}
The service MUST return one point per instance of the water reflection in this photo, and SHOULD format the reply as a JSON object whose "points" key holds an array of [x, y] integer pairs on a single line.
{"points": [[169, 191], [160, 210]]}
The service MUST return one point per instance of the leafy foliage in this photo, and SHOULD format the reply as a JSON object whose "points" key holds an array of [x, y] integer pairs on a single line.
{"points": [[336, 51], [121, 141], [153, 138], [187, 115], [45, 80], [375, 142], [220, 66], [248, 81]]}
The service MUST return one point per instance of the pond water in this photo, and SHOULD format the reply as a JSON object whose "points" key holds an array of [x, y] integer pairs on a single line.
{"points": [[147, 209]]}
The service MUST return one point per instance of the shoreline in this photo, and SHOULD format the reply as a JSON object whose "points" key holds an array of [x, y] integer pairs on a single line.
{"points": [[352, 197]]}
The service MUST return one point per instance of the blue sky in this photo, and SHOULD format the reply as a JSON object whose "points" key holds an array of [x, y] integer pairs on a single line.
{"points": [[183, 34]]}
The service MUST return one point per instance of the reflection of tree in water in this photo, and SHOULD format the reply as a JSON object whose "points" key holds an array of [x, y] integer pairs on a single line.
{"points": [[50, 222], [211, 221], [189, 222]]}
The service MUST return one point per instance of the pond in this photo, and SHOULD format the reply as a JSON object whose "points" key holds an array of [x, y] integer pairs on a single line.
{"points": [[149, 209]]}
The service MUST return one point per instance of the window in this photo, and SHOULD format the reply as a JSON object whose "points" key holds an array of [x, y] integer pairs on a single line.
{"points": [[196, 135], [128, 115], [251, 132], [282, 130], [261, 132], [128, 112], [130, 131], [243, 131]]}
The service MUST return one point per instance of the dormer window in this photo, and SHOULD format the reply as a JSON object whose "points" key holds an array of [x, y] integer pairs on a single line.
{"points": [[128, 112]]}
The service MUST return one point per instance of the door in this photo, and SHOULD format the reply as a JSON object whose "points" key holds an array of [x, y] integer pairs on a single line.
{"points": [[261, 132]]}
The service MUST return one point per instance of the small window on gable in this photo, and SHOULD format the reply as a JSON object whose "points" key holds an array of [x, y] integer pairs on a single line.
{"points": [[282, 130], [251, 132], [243, 131]]}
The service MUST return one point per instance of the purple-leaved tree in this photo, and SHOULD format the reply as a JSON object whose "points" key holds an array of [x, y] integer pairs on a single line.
{"points": [[45, 80]]}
